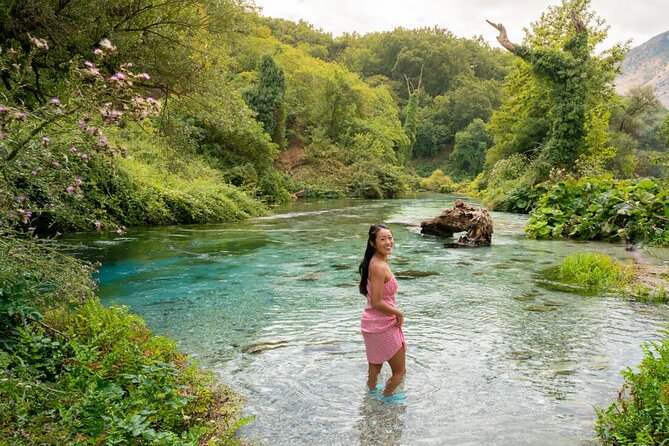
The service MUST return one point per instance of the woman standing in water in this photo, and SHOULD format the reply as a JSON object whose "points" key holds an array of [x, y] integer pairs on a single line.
{"points": [[382, 321]]}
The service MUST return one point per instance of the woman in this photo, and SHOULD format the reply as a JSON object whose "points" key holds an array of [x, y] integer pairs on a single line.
{"points": [[382, 321]]}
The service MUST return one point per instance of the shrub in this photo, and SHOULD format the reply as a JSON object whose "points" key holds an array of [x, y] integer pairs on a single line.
{"points": [[437, 181], [640, 416], [603, 209], [75, 372]]}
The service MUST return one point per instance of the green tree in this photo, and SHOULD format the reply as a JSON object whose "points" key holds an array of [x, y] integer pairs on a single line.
{"points": [[468, 155], [556, 90], [267, 99], [663, 132]]}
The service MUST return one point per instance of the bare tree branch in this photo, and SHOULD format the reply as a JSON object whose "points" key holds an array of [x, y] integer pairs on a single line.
{"points": [[503, 37]]}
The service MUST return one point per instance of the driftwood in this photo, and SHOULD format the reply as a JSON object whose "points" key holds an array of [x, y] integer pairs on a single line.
{"points": [[477, 222]]}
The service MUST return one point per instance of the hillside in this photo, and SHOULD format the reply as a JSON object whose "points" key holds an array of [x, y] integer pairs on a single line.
{"points": [[648, 64]]}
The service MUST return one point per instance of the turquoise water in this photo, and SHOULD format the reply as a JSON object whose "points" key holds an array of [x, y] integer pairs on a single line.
{"points": [[271, 306]]}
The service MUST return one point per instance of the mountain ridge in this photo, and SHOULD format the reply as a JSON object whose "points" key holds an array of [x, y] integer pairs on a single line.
{"points": [[647, 65]]}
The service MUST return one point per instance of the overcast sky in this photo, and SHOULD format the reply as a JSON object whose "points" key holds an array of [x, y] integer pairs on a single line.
{"points": [[639, 20]]}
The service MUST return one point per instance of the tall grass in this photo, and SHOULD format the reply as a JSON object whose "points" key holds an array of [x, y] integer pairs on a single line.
{"points": [[595, 270]]}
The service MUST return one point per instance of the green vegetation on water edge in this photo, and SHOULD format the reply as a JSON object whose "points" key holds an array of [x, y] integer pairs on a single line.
{"points": [[75, 372]]}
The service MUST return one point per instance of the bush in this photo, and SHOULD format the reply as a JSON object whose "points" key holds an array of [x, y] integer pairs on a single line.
{"points": [[75, 372], [437, 181], [603, 209], [641, 414], [594, 270]]}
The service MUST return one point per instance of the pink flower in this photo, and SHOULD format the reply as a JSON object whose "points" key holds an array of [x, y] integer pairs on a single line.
{"points": [[28, 214], [103, 140], [40, 168], [55, 101], [90, 130], [144, 76], [73, 149], [21, 198], [98, 52], [22, 116], [84, 157], [81, 124], [3, 135], [150, 100], [89, 64], [69, 189], [78, 180], [97, 224], [46, 139], [34, 172], [2, 108], [120, 231]]}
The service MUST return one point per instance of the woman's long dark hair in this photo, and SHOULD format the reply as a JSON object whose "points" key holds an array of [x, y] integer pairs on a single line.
{"points": [[363, 269]]}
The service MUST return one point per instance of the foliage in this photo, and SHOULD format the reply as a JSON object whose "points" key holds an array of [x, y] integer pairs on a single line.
{"points": [[601, 209], [559, 94], [509, 186], [266, 99], [437, 181], [74, 372], [470, 147], [372, 180], [594, 270], [663, 132], [639, 416]]}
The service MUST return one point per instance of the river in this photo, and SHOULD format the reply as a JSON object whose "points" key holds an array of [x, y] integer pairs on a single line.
{"points": [[270, 304]]}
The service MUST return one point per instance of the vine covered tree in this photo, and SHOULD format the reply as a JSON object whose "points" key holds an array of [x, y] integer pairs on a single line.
{"points": [[563, 70]]}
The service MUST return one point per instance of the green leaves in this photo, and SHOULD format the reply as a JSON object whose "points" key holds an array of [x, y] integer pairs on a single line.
{"points": [[599, 209], [640, 416]]}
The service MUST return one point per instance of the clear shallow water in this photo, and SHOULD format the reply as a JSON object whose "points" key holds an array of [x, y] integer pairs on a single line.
{"points": [[271, 306]]}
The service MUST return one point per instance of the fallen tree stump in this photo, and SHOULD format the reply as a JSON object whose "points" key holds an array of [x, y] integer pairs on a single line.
{"points": [[477, 222]]}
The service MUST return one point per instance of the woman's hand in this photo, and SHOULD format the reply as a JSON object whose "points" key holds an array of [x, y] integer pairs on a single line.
{"points": [[400, 320]]}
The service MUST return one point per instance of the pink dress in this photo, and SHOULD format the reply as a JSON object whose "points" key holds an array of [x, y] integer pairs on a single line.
{"points": [[382, 337]]}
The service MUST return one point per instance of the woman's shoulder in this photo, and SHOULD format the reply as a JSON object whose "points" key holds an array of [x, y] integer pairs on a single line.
{"points": [[379, 268]]}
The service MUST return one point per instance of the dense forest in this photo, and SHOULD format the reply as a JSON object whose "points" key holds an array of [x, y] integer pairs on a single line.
{"points": [[138, 112]]}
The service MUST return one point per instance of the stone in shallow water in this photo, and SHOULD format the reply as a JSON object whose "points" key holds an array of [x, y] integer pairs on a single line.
{"points": [[411, 274], [309, 278], [524, 298], [540, 308], [340, 266], [554, 303]]}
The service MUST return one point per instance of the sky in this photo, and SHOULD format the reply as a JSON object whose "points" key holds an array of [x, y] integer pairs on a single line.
{"points": [[638, 20]]}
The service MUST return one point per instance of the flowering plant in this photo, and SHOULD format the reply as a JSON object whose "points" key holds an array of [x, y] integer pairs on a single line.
{"points": [[50, 153]]}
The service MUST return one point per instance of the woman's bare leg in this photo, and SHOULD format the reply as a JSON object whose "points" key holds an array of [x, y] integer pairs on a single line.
{"points": [[398, 366], [373, 374]]}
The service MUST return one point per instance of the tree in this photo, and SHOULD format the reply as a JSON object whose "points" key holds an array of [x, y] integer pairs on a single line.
{"points": [[266, 99], [563, 70], [569, 85], [470, 146]]}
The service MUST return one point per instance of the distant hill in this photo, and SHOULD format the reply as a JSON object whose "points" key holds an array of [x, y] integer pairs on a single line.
{"points": [[647, 64]]}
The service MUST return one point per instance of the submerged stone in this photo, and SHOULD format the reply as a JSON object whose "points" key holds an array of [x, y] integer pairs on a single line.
{"points": [[540, 308], [413, 274]]}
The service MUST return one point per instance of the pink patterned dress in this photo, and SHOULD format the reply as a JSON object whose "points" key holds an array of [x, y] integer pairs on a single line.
{"points": [[382, 337]]}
